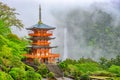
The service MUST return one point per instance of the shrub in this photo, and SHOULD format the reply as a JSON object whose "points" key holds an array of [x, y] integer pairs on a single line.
{"points": [[36, 61], [28, 68], [42, 69], [5, 76], [115, 69], [66, 74], [17, 73], [31, 75], [50, 75], [85, 67], [102, 73], [72, 69], [63, 66], [84, 77], [70, 61]]}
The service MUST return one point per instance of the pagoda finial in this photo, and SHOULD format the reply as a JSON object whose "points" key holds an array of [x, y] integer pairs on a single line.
{"points": [[40, 21]]}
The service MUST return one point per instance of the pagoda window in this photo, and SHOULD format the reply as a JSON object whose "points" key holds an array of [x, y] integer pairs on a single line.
{"points": [[39, 32], [38, 54], [36, 32], [46, 54], [42, 54], [42, 31], [38, 41]]}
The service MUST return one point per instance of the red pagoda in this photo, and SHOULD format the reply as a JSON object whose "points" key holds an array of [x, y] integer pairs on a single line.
{"points": [[40, 47]]}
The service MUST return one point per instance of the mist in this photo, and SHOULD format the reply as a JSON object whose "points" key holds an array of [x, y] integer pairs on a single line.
{"points": [[93, 30]]}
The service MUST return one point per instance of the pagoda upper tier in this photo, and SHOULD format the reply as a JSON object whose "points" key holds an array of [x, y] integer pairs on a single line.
{"points": [[40, 34], [41, 26]]}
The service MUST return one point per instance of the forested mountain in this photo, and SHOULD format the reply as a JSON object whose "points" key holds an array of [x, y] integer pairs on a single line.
{"points": [[92, 31]]}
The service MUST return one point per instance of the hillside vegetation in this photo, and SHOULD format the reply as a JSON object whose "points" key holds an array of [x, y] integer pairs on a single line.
{"points": [[12, 47], [84, 68]]}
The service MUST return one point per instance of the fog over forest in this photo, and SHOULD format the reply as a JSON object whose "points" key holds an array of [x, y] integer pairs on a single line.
{"points": [[92, 31]]}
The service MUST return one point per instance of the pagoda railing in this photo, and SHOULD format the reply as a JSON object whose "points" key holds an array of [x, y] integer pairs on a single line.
{"points": [[42, 56], [41, 43], [40, 34]]}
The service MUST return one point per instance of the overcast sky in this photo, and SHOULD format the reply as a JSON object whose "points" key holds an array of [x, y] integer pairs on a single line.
{"points": [[28, 10]]}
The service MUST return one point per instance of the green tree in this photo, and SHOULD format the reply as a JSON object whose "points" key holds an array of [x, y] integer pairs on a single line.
{"points": [[63, 65], [103, 62], [85, 60], [70, 61], [8, 16], [116, 61], [4, 30], [42, 69]]}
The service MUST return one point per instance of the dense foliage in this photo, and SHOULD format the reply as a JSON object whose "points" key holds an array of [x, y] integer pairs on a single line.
{"points": [[85, 67], [11, 49], [5, 76]]}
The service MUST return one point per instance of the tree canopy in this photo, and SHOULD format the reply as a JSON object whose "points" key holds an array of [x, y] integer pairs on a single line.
{"points": [[8, 16], [11, 48]]}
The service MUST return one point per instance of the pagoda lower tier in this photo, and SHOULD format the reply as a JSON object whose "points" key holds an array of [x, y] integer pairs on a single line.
{"points": [[42, 53], [43, 57]]}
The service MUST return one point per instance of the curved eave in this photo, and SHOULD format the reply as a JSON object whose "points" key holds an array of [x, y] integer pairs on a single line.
{"points": [[34, 28], [36, 47], [41, 38], [48, 56], [41, 26]]}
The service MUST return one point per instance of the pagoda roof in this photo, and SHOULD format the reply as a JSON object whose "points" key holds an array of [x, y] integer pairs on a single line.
{"points": [[42, 46], [41, 38], [41, 26]]}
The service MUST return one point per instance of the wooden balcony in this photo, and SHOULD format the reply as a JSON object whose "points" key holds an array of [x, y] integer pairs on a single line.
{"points": [[42, 56], [45, 34]]}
